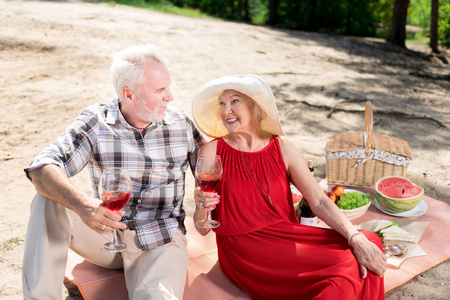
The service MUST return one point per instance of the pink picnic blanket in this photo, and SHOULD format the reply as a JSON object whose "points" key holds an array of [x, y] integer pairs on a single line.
{"points": [[206, 281]]}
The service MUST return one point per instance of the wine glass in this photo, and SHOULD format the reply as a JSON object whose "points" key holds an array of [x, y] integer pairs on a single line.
{"points": [[115, 193], [208, 174]]}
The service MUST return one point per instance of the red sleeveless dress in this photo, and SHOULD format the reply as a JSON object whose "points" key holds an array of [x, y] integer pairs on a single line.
{"points": [[263, 250]]}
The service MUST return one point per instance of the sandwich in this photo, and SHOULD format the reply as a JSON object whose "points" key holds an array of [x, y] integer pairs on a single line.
{"points": [[395, 233], [382, 224], [396, 241]]}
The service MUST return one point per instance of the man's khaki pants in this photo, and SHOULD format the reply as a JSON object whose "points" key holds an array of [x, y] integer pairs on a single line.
{"points": [[159, 273]]}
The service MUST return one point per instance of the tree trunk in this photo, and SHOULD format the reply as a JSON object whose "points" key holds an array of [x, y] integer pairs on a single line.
{"points": [[312, 22], [247, 12], [434, 26], [397, 35], [273, 12]]}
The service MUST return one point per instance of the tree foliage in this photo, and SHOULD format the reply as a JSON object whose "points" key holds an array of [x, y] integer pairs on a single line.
{"points": [[444, 24], [419, 13], [382, 10], [352, 17], [349, 17]]}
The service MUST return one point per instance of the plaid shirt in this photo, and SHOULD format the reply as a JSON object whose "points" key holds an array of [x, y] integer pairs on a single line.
{"points": [[101, 138]]}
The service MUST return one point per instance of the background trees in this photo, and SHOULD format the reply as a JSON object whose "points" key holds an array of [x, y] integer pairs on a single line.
{"points": [[382, 18], [444, 24]]}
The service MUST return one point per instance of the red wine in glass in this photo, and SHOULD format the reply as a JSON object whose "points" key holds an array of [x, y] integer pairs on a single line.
{"points": [[208, 182], [208, 173], [115, 190], [115, 201]]}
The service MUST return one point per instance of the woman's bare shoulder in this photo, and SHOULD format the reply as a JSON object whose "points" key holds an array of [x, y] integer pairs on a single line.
{"points": [[288, 149], [209, 148], [285, 143]]}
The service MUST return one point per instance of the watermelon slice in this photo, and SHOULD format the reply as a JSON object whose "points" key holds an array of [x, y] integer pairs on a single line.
{"points": [[397, 194]]}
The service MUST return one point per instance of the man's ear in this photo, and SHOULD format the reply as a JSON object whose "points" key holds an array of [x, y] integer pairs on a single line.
{"points": [[127, 94]]}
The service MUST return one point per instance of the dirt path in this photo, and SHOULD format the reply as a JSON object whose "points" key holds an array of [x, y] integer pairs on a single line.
{"points": [[54, 61]]}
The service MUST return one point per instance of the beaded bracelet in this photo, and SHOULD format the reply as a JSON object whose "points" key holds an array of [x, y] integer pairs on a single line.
{"points": [[352, 235]]}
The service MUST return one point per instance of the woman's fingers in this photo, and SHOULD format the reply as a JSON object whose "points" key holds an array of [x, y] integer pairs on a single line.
{"points": [[363, 271], [378, 265], [377, 268], [370, 257], [381, 264], [206, 200]]}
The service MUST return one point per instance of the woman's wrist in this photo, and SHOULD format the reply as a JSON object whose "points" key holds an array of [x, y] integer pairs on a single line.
{"points": [[352, 236]]}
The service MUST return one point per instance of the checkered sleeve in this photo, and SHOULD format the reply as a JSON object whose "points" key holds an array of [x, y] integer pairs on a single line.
{"points": [[72, 150]]}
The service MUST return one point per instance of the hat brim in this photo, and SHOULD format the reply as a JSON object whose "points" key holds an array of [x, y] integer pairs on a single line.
{"points": [[205, 106]]}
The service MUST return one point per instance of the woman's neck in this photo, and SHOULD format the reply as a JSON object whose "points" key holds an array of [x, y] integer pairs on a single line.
{"points": [[248, 142]]}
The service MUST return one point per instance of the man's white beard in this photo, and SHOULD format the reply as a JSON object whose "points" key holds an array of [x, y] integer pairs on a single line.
{"points": [[148, 116]]}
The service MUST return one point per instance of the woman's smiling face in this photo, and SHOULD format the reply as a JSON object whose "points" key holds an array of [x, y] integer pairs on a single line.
{"points": [[237, 111]]}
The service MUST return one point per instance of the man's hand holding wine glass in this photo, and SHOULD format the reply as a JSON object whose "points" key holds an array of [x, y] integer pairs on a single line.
{"points": [[95, 215]]}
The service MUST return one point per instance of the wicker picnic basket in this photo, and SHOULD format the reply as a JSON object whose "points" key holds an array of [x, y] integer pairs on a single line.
{"points": [[361, 158]]}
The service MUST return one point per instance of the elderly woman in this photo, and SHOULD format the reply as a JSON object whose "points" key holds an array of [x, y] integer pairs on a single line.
{"points": [[261, 246]]}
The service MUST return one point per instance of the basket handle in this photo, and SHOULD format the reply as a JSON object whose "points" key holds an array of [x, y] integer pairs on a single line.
{"points": [[368, 130]]}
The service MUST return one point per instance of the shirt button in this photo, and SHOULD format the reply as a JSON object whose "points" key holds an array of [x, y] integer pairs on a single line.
{"points": [[139, 201]]}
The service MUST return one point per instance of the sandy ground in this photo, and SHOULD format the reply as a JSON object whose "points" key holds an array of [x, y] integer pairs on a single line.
{"points": [[54, 61]]}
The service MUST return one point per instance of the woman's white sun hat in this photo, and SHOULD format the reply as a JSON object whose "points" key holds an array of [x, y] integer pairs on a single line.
{"points": [[205, 106]]}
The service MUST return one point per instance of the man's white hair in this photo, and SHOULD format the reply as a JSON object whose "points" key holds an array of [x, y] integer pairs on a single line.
{"points": [[127, 68]]}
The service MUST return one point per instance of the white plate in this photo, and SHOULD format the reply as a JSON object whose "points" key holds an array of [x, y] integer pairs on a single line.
{"points": [[420, 209]]}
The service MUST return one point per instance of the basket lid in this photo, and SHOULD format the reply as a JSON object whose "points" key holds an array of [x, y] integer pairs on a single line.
{"points": [[391, 144], [345, 142], [355, 141]]}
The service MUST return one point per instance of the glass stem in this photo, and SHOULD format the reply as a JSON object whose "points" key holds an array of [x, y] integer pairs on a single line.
{"points": [[114, 240], [208, 217]]}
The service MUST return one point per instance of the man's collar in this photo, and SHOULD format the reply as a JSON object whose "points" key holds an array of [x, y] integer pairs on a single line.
{"points": [[113, 112]]}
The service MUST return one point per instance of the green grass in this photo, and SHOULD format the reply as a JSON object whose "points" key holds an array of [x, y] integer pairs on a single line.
{"points": [[9, 244], [418, 39], [162, 6]]}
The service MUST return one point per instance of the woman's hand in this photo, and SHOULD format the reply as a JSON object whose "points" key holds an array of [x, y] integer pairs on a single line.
{"points": [[204, 202], [369, 256]]}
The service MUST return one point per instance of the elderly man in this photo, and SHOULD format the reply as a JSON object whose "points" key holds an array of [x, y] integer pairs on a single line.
{"points": [[139, 132]]}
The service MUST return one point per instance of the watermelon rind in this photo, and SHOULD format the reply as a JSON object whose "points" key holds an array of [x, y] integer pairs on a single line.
{"points": [[397, 205]]}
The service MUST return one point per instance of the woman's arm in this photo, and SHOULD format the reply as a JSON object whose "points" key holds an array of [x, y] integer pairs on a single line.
{"points": [[209, 199], [367, 253]]}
